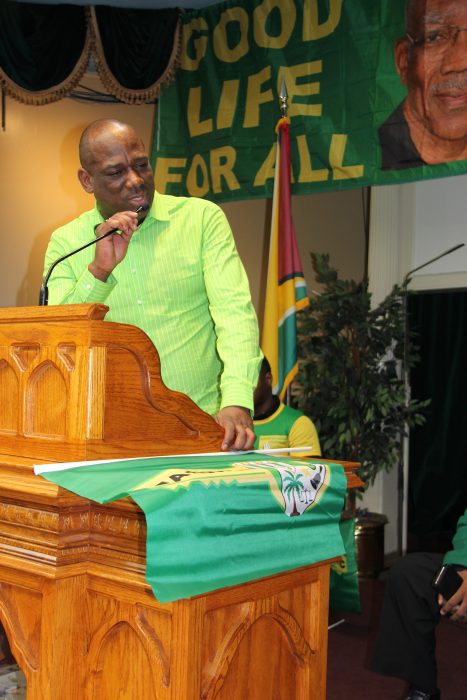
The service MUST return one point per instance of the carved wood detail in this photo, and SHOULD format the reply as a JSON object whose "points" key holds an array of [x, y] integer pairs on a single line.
{"points": [[46, 402], [9, 398], [240, 622], [25, 355], [20, 615], [123, 626]]}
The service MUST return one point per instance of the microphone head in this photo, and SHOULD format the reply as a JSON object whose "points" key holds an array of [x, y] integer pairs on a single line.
{"points": [[142, 208]]}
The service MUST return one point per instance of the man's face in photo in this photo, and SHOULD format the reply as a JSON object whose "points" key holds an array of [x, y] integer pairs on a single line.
{"points": [[432, 62]]}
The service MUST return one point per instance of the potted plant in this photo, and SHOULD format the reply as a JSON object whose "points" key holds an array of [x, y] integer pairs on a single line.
{"points": [[349, 380]]}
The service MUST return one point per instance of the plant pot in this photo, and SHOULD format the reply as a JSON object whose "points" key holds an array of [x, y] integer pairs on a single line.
{"points": [[369, 544]]}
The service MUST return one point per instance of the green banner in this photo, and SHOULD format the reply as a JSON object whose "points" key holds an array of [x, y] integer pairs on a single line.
{"points": [[346, 86], [344, 591], [224, 520]]}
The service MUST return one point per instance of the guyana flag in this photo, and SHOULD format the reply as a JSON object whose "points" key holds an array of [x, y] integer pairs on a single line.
{"points": [[215, 521], [285, 289]]}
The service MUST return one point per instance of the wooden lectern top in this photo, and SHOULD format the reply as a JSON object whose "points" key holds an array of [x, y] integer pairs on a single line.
{"points": [[73, 387]]}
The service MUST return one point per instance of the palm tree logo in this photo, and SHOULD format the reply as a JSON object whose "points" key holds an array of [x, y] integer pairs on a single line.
{"points": [[293, 486]]}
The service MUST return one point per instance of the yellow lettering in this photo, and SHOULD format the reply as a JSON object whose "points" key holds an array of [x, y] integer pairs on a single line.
{"points": [[222, 161], [312, 29], [306, 172], [195, 125], [266, 171], [227, 104], [193, 49], [261, 13], [220, 40], [162, 174], [255, 97], [195, 189], [336, 158], [290, 74]]}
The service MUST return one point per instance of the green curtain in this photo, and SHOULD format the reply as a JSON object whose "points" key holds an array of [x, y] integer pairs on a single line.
{"points": [[438, 449], [45, 50], [135, 50]]}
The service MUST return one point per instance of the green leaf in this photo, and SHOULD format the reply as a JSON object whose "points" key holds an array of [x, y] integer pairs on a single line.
{"points": [[349, 371]]}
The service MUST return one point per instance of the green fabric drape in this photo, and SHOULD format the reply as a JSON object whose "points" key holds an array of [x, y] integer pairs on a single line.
{"points": [[438, 449], [45, 50], [134, 75]]}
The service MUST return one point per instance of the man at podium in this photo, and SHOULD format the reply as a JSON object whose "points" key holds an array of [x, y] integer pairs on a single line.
{"points": [[171, 268]]}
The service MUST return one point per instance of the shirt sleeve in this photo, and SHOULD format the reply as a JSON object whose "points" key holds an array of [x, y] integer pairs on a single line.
{"points": [[232, 311], [303, 432], [458, 553], [71, 282]]}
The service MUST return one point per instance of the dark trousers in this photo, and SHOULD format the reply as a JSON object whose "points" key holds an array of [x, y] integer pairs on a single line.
{"points": [[406, 644]]}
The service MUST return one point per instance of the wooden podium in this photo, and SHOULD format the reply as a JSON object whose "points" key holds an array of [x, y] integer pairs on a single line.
{"points": [[81, 620]]}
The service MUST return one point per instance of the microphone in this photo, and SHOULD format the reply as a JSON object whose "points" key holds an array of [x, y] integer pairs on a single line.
{"points": [[44, 292], [428, 262]]}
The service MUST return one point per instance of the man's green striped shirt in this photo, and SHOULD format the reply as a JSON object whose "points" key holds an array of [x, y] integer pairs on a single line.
{"points": [[183, 283]]}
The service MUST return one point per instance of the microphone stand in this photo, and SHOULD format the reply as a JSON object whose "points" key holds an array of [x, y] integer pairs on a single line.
{"points": [[44, 292], [402, 477]]}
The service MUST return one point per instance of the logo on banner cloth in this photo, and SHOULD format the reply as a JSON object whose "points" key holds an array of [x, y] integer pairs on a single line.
{"points": [[296, 486]]}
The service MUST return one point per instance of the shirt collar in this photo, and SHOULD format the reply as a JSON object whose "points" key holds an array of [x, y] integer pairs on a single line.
{"points": [[159, 207]]}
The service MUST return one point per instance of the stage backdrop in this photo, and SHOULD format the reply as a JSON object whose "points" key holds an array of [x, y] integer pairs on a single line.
{"points": [[214, 135]]}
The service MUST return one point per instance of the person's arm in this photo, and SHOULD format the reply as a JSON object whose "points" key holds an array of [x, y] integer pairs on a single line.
{"points": [[303, 432], [87, 276], [456, 606], [236, 328]]}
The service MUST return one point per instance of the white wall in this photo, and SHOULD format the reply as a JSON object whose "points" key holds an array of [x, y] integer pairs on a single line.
{"points": [[439, 222]]}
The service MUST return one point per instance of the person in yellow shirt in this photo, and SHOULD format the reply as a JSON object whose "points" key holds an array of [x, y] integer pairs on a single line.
{"points": [[277, 425]]}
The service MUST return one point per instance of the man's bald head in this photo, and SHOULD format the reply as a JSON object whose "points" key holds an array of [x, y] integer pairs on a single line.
{"points": [[115, 167], [98, 133]]}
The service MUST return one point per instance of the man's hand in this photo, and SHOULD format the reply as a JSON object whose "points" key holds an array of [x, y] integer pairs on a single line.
{"points": [[238, 426], [112, 250], [456, 606]]}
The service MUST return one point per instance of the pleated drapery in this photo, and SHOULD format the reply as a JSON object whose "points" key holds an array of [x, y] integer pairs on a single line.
{"points": [[437, 472], [45, 50]]}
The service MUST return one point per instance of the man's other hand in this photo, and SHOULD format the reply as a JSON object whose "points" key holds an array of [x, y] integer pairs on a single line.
{"points": [[238, 427], [456, 606]]}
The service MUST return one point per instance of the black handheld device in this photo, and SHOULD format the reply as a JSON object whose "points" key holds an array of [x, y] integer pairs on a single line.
{"points": [[447, 581]]}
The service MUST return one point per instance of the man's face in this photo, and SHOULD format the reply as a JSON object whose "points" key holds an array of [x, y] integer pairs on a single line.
{"points": [[119, 174], [433, 65]]}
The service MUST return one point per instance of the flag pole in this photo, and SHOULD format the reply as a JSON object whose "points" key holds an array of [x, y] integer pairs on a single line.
{"points": [[285, 284], [283, 100], [284, 109]]}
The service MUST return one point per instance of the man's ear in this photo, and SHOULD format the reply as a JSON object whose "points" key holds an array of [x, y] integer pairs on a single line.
{"points": [[401, 58], [86, 180]]}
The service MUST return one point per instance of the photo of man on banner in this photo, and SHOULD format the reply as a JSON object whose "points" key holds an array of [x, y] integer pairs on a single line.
{"points": [[430, 125]]}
